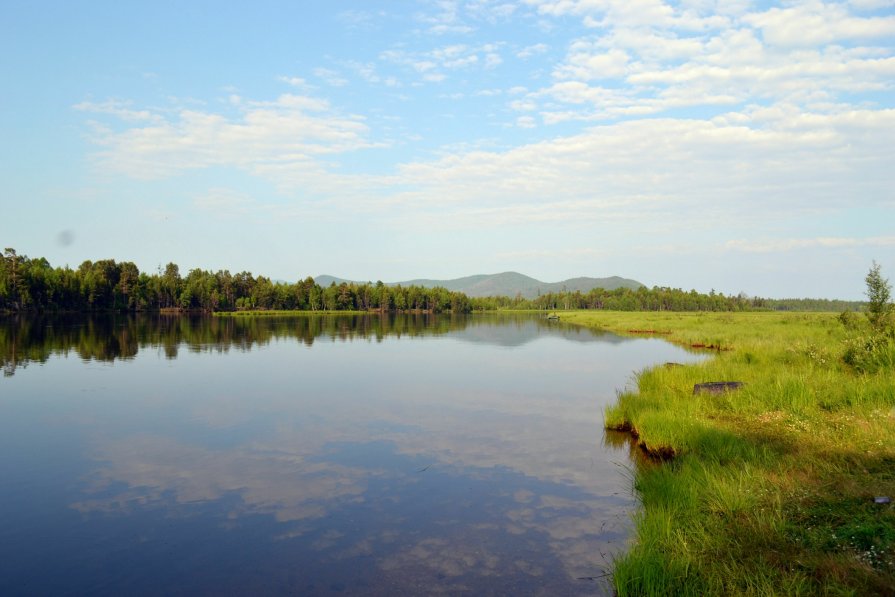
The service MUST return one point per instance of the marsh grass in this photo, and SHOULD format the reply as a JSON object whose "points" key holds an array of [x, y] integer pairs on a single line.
{"points": [[769, 489]]}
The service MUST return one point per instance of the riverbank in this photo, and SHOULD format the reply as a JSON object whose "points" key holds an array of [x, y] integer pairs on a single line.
{"points": [[771, 489]]}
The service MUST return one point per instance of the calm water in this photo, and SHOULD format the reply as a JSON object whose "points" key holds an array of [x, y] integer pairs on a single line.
{"points": [[312, 455]]}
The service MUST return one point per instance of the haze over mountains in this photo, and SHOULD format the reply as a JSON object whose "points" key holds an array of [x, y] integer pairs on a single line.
{"points": [[506, 284]]}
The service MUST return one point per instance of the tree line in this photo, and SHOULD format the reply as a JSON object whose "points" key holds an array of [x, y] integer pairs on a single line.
{"points": [[34, 285], [28, 284], [660, 299]]}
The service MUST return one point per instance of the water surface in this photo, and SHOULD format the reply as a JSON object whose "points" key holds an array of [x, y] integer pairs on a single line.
{"points": [[312, 455]]}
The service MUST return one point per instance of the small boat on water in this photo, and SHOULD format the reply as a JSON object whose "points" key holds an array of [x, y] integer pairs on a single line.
{"points": [[553, 317]]}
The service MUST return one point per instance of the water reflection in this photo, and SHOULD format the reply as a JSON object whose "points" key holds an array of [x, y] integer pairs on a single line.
{"points": [[396, 455], [24, 340]]}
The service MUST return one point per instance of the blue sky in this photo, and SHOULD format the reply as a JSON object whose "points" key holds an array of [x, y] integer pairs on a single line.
{"points": [[741, 146]]}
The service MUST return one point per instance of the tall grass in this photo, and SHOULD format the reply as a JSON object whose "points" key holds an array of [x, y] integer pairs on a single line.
{"points": [[769, 489]]}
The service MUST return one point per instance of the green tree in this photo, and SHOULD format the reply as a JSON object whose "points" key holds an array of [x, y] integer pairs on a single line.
{"points": [[170, 285], [262, 293], [128, 274], [315, 297], [330, 294], [879, 292], [11, 282], [344, 298]]}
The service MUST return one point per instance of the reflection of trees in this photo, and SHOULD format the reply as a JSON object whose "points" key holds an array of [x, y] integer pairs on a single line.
{"points": [[25, 340]]}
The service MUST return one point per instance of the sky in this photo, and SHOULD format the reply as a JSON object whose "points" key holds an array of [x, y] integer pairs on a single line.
{"points": [[729, 145]]}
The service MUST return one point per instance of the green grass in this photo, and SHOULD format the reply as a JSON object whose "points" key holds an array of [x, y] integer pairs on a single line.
{"points": [[769, 489]]}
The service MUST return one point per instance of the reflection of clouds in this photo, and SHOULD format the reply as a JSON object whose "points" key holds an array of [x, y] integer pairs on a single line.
{"points": [[475, 563], [529, 445], [548, 436], [284, 476], [284, 484], [523, 496], [584, 534], [443, 557], [481, 416], [328, 540]]}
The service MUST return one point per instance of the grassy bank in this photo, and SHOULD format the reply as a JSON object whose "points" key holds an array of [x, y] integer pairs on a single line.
{"points": [[771, 488]]}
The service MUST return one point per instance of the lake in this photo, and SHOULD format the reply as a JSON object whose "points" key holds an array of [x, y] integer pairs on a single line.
{"points": [[313, 455]]}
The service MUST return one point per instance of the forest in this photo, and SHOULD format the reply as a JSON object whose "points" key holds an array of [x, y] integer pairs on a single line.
{"points": [[660, 298], [33, 284], [106, 285]]}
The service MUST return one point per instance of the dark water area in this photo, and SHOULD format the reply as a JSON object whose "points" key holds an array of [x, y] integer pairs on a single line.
{"points": [[312, 455]]}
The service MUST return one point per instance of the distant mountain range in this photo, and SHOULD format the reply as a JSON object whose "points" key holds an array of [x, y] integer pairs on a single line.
{"points": [[506, 284]]}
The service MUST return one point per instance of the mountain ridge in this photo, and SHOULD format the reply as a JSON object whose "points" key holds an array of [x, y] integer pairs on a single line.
{"points": [[504, 284]]}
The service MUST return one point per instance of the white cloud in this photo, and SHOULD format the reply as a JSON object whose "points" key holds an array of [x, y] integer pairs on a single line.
{"points": [[293, 81], [741, 164], [433, 64], [649, 45], [813, 23], [533, 50], [633, 13], [491, 11], [653, 172], [447, 20], [689, 55], [117, 108], [365, 70], [523, 105], [455, 56], [359, 19], [453, 17], [292, 133], [330, 77], [422, 66], [584, 63]]}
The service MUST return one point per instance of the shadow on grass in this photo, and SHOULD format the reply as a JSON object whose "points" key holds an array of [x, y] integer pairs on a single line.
{"points": [[838, 533]]}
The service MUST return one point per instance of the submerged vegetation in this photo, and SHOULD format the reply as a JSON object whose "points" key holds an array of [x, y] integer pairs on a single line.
{"points": [[780, 487]]}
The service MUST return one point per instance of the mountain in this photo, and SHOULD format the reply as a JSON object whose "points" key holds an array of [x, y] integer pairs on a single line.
{"points": [[506, 284], [324, 281]]}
